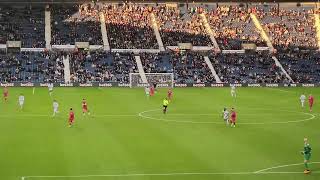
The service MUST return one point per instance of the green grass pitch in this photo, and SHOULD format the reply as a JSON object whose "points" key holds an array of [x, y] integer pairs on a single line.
{"points": [[128, 138]]}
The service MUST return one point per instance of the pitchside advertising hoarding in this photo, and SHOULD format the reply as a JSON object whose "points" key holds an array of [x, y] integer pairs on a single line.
{"points": [[178, 85]]}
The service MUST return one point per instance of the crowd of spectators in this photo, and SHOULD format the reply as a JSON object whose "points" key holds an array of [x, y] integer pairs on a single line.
{"points": [[129, 26], [75, 23], [101, 67], [190, 67], [303, 67], [22, 23], [115, 67], [177, 26], [290, 28], [233, 26], [156, 62], [31, 67], [247, 68]]}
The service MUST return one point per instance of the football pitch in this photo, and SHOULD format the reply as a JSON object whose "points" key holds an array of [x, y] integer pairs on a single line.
{"points": [[127, 137]]}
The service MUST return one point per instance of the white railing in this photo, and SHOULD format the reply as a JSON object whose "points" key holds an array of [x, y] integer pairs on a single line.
{"points": [[263, 34], [317, 26], [67, 74], [103, 27], [209, 31], [213, 71], [277, 62], [141, 70], [156, 31], [48, 29]]}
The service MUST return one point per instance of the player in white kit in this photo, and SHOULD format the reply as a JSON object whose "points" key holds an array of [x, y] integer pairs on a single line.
{"points": [[21, 101], [55, 108], [233, 91], [302, 100], [225, 114], [50, 87], [147, 90]]}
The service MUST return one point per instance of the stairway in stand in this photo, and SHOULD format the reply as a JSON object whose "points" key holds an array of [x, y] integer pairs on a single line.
{"points": [[67, 74]]}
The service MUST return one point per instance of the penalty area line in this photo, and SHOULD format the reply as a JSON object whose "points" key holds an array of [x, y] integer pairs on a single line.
{"points": [[281, 166], [168, 174]]}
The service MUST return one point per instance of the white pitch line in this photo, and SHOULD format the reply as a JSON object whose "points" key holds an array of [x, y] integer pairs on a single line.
{"points": [[259, 172], [281, 166], [287, 172], [33, 90], [177, 121], [168, 174], [212, 122], [281, 90], [115, 115], [213, 114], [44, 115], [142, 174]]}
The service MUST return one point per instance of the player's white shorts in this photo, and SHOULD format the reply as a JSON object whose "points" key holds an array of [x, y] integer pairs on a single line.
{"points": [[55, 110], [233, 93], [147, 93], [21, 103]]}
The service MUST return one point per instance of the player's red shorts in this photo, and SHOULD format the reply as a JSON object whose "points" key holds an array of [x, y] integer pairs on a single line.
{"points": [[5, 94], [84, 109], [310, 104], [71, 120], [233, 120]]}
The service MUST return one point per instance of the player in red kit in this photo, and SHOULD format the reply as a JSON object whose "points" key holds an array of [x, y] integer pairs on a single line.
{"points": [[85, 107], [233, 118], [151, 91], [170, 94], [71, 117], [311, 101], [5, 93]]}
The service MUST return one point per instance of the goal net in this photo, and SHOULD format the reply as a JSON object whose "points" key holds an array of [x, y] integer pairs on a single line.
{"points": [[158, 79]]}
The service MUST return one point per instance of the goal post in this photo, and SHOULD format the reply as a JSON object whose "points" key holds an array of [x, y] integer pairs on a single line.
{"points": [[158, 79]]}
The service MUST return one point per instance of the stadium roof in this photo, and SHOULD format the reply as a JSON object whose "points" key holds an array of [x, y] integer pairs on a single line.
{"points": [[145, 1]]}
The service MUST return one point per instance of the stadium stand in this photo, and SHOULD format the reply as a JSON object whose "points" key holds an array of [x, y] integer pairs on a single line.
{"points": [[179, 26], [72, 24], [156, 62], [31, 67], [22, 23], [233, 26], [102, 67], [290, 27], [247, 68], [190, 67], [291, 30], [129, 27], [303, 67]]}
